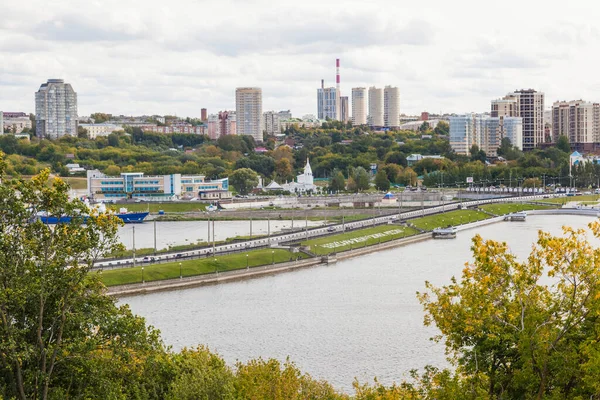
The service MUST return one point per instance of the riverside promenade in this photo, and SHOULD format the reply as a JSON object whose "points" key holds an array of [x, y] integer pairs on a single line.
{"points": [[259, 271], [308, 233]]}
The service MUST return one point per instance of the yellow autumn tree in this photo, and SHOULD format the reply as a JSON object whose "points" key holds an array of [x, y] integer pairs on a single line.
{"points": [[525, 329]]}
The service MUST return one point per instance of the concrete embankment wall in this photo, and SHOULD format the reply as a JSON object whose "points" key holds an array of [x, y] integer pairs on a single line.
{"points": [[255, 272]]}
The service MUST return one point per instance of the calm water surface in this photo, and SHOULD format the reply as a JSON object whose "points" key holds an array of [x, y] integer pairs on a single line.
{"points": [[358, 318], [189, 232]]}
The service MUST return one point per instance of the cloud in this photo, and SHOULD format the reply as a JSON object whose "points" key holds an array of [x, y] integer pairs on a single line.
{"points": [[132, 57], [75, 28]]}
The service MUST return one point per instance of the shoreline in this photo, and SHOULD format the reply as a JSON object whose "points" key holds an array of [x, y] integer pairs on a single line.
{"points": [[265, 270]]}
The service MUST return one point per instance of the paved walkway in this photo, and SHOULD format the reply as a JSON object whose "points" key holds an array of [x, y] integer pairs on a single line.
{"points": [[308, 233]]}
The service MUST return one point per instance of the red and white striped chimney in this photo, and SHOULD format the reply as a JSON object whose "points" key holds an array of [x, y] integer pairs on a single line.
{"points": [[337, 73]]}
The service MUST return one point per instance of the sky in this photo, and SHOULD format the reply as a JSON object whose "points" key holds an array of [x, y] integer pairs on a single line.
{"points": [[178, 56]]}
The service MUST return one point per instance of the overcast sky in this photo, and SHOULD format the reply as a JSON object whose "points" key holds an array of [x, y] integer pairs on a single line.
{"points": [[177, 56]]}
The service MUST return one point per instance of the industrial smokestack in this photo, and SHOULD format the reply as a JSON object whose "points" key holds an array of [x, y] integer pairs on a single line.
{"points": [[337, 73]]}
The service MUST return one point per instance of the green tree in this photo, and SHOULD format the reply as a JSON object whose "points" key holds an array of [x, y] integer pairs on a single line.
{"points": [[338, 183], [60, 335], [100, 118], [361, 178], [82, 133], [409, 177], [283, 169], [243, 180], [381, 181], [526, 328], [270, 380], [563, 144], [200, 374], [113, 139], [442, 128]]}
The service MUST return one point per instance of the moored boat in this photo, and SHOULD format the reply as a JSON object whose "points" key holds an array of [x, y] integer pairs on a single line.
{"points": [[125, 215], [445, 233], [517, 216]]}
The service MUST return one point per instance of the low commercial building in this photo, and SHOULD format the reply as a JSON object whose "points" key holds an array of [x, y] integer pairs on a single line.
{"points": [[14, 122], [136, 185], [95, 130], [415, 158]]}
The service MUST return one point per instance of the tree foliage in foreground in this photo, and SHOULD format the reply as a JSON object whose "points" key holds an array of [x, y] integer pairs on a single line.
{"points": [[525, 329], [60, 336]]}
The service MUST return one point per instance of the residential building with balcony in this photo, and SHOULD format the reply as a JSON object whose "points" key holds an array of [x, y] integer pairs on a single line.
{"points": [[248, 109], [359, 106], [579, 121], [95, 130], [376, 100], [56, 110]]}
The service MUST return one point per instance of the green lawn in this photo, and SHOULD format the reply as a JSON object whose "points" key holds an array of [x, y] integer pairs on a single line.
{"points": [[317, 245], [502, 209], [76, 183], [189, 206], [451, 218], [563, 200], [156, 272]]}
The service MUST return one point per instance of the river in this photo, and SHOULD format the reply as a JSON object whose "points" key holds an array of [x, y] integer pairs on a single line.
{"points": [[358, 318], [189, 232]]}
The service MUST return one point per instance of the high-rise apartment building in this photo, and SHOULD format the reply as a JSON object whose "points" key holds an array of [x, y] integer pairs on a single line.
{"points": [[344, 110], [1, 123], [531, 109], [223, 123], [248, 107], [484, 131], [359, 106], [327, 103], [512, 128], [56, 109], [375, 117], [391, 107], [463, 133], [578, 120], [506, 107], [272, 121]]}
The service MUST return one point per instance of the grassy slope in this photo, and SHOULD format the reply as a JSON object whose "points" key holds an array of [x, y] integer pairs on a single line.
{"points": [[501, 209], [457, 217], [563, 200], [316, 244], [155, 272]]}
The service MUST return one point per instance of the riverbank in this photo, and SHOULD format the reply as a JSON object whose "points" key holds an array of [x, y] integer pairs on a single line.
{"points": [[255, 272], [324, 250]]}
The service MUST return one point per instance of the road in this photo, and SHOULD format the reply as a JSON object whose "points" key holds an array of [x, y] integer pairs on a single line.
{"points": [[306, 234]]}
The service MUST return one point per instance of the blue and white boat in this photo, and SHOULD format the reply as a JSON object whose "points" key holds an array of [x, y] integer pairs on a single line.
{"points": [[125, 215]]}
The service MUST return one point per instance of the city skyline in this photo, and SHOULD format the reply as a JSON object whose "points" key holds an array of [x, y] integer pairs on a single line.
{"points": [[126, 59]]}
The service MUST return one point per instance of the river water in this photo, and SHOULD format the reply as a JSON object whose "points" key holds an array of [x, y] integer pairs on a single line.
{"points": [[190, 232], [358, 318]]}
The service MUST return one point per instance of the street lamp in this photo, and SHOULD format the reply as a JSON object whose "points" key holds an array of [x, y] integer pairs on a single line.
{"points": [[143, 275], [247, 267], [180, 274]]}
